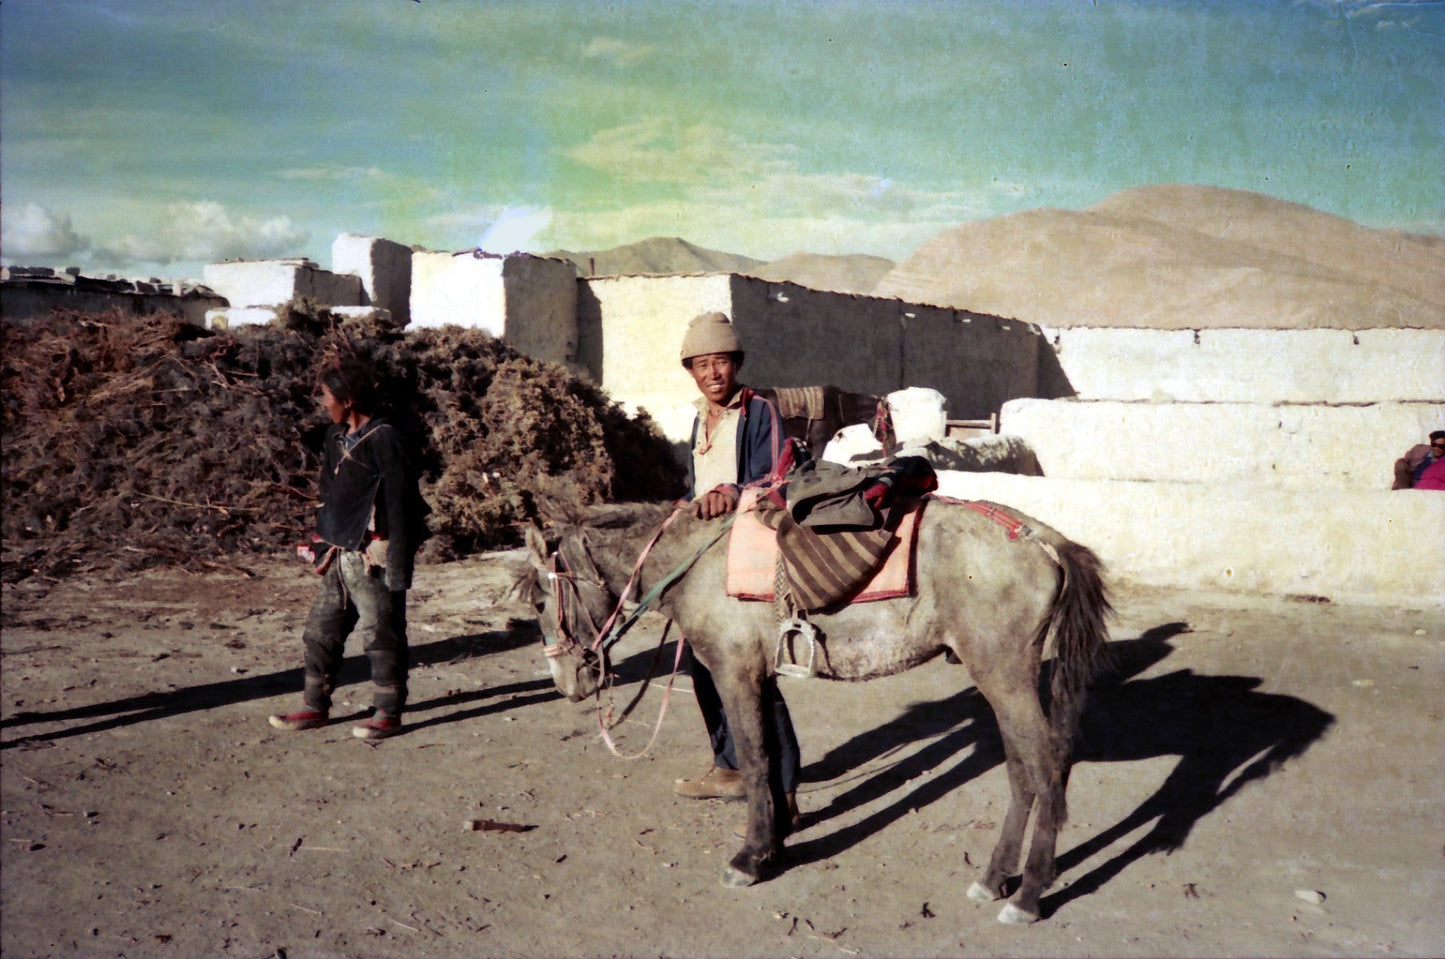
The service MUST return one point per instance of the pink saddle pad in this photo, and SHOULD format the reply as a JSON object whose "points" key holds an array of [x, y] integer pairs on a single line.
{"points": [[753, 558]]}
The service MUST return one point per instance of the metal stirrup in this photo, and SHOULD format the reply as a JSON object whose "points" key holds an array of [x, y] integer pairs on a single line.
{"points": [[804, 630]]}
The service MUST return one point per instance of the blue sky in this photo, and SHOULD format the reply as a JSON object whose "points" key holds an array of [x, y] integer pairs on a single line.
{"points": [[149, 137]]}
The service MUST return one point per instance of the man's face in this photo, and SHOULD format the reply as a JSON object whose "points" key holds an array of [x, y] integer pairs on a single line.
{"points": [[716, 376], [1438, 448], [334, 408]]}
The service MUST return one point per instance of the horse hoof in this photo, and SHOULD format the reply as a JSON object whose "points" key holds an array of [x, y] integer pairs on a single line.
{"points": [[1012, 915], [978, 893], [735, 878]]}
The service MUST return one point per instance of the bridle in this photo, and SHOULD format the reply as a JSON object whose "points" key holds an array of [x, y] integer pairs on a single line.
{"points": [[566, 593]]}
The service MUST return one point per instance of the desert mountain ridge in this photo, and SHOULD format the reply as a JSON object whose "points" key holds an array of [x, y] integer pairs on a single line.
{"points": [[657, 255], [666, 256], [1166, 256]]}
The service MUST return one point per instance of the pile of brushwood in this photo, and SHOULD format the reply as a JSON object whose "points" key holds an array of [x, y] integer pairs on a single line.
{"points": [[136, 442]]}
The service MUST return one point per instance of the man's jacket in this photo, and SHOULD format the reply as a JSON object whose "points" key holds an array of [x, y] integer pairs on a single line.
{"points": [[760, 435]]}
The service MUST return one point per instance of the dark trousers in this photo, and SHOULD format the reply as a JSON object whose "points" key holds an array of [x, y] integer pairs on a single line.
{"points": [[354, 599], [781, 740]]}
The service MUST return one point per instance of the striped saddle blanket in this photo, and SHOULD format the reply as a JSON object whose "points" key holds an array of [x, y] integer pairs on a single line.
{"points": [[822, 569]]}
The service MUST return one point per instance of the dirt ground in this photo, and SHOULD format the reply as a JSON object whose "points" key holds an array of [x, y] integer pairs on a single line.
{"points": [[1261, 777]]}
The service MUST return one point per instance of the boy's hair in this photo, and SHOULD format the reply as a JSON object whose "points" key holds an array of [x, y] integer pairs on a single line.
{"points": [[351, 380], [1437, 435]]}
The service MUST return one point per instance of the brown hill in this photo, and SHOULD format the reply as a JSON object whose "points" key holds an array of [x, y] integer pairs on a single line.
{"points": [[655, 255], [855, 273], [1181, 257]]}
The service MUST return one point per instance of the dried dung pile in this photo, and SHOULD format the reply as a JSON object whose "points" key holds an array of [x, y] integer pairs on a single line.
{"points": [[131, 443]]}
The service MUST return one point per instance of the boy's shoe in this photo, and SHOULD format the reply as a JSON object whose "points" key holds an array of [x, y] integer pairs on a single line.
{"points": [[378, 726], [302, 719]]}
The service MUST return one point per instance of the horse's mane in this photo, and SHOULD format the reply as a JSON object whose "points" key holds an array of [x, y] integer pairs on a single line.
{"points": [[559, 514], [624, 515], [562, 521]]}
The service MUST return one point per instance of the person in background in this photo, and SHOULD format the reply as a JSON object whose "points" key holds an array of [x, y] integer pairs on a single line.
{"points": [[736, 439], [371, 521], [1410, 468], [1432, 476]]}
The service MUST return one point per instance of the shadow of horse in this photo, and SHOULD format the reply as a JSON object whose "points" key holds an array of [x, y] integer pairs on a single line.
{"points": [[1225, 732], [354, 669]]}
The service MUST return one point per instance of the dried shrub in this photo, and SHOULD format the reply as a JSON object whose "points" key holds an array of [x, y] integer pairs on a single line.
{"points": [[133, 442]]}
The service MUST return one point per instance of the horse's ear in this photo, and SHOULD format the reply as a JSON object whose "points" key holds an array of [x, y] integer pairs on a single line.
{"points": [[536, 542]]}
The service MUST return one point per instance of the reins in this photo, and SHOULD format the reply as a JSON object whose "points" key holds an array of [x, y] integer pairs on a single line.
{"points": [[613, 630]]}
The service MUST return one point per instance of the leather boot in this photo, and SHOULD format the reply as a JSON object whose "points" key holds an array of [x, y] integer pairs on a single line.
{"points": [[716, 783], [790, 825]]}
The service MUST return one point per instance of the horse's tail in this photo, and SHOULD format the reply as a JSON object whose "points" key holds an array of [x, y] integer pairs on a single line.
{"points": [[1078, 621]]}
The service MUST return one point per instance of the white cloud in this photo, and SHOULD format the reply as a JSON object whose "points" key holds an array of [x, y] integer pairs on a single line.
{"points": [[752, 198], [515, 228], [333, 173], [617, 52], [205, 232], [35, 233], [658, 152]]}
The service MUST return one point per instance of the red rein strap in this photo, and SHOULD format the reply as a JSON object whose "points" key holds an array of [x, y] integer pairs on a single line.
{"points": [[566, 643], [636, 572], [661, 712]]}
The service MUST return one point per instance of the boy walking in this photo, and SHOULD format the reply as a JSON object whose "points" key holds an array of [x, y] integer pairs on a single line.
{"points": [[367, 531]]}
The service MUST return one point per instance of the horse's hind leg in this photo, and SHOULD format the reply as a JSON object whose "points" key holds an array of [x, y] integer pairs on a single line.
{"points": [[1005, 858], [1032, 778], [1039, 869]]}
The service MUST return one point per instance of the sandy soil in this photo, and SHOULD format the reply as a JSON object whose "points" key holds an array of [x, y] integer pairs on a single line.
{"points": [[1262, 777]]}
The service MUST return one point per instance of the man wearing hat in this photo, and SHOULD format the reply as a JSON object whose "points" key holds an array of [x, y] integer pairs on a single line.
{"points": [[736, 439]]}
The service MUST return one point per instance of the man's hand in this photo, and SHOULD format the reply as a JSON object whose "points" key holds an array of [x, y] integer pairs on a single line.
{"points": [[716, 502]]}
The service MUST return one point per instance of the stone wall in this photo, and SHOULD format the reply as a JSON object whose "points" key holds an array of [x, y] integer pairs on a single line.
{"points": [[274, 282], [1314, 446], [1251, 366], [530, 301], [1341, 545], [630, 329]]}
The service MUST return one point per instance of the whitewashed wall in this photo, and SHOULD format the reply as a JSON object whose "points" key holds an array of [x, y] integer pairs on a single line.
{"points": [[448, 289], [1253, 366], [1297, 446], [630, 332], [1344, 545], [384, 267], [541, 307], [274, 282], [531, 301], [631, 328]]}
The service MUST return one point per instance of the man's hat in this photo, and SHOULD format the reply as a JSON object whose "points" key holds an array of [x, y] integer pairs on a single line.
{"points": [[709, 333]]}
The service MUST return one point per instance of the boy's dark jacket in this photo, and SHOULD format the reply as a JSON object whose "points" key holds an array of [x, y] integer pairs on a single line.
{"points": [[374, 472]]}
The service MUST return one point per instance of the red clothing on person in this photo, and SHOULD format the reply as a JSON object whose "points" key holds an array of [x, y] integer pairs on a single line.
{"points": [[1433, 477]]}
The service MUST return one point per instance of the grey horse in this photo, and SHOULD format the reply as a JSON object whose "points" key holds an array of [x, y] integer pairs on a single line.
{"points": [[991, 586]]}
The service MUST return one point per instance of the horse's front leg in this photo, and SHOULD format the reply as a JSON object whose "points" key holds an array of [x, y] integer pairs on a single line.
{"points": [[741, 693]]}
